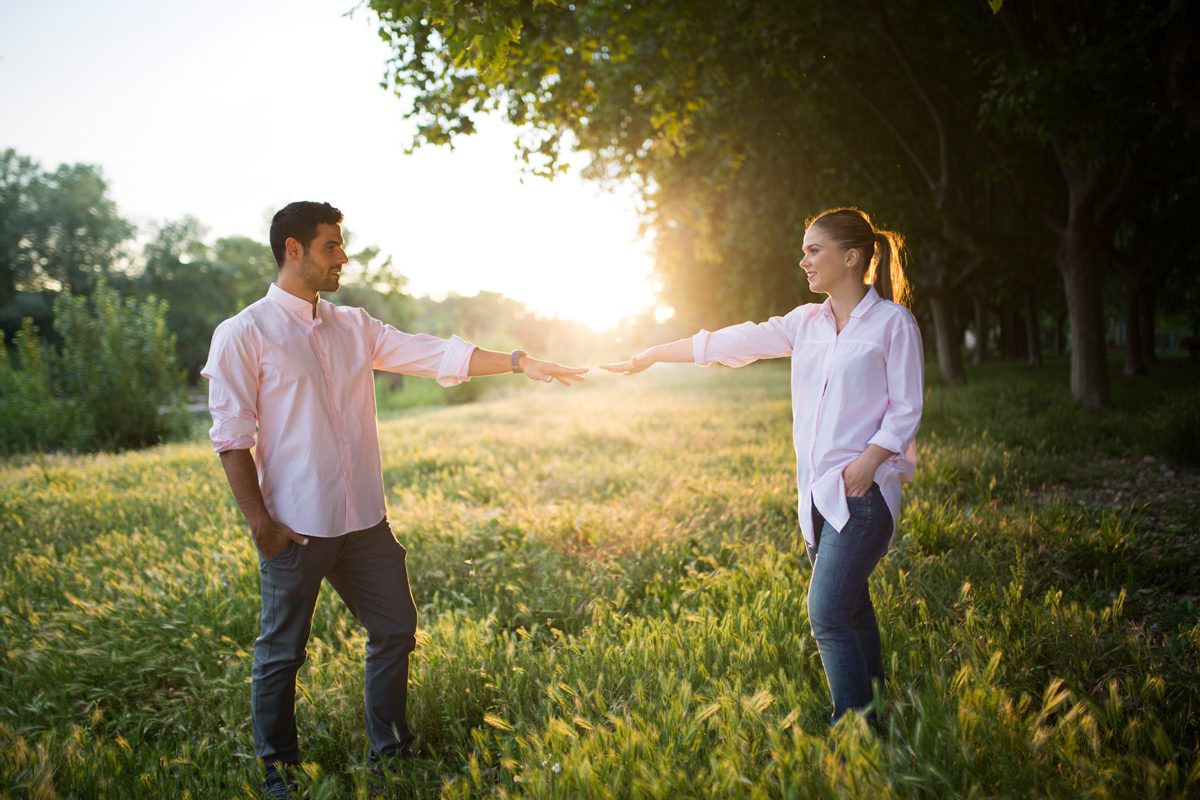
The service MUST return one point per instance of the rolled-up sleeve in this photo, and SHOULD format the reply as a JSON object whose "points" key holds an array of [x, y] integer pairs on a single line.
{"points": [[905, 386], [447, 361], [233, 383], [743, 344]]}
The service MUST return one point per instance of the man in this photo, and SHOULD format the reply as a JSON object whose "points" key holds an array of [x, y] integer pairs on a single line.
{"points": [[291, 378]]}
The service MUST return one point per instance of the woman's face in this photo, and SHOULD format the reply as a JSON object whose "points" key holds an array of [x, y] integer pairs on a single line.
{"points": [[826, 265]]}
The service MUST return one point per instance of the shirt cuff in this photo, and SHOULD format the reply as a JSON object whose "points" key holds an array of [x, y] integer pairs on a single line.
{"points": [[456, 362], [888, 441], [235, 433], [699, 344]]}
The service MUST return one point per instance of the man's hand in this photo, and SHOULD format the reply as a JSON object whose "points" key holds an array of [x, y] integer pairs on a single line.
{"points": [[272, 537], [640, 362], [548, 371]]}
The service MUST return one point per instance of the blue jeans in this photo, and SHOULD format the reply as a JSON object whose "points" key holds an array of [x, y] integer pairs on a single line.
{"points": [[368, 569], [839, 602]]}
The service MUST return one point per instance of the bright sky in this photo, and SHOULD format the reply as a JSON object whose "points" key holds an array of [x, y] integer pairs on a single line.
{"points": [[229, 109]]}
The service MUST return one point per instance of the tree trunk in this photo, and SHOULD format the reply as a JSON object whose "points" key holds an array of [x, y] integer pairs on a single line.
{"points": [[949, 352], [1149, 323], [1033, 338], [981, 333], [1012, 338], [1004, 341], [1079, 263], [1135, 354]]}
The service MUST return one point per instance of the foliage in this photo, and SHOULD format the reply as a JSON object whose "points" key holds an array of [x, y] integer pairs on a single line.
{"points": [[32, 418], [58, 230], [201, 284], [615, 607], [974, 128], [113, 384]]}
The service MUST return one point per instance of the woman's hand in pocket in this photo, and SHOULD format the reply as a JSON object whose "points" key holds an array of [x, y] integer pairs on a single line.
{"points": [[859, 474], [858, 477]]}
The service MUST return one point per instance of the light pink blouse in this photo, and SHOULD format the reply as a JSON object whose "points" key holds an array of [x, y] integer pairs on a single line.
{"points": [[860, 387], [299, 389]]}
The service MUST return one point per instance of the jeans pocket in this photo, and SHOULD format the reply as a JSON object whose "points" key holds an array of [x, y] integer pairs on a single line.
{"points": [[862, 509], [279, 557]]}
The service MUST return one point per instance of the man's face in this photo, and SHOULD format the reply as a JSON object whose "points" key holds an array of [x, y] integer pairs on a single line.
{"points": [[321, 264]]}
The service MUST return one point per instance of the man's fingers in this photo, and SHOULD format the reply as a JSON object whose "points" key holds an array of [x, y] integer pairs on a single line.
{"points": [[295, 537]]}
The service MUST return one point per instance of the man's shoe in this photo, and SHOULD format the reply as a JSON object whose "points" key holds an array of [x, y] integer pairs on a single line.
{"points": [[278, 784]]}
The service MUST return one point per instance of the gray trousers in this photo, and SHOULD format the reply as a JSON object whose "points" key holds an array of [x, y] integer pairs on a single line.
{"points": [[367, 569]]}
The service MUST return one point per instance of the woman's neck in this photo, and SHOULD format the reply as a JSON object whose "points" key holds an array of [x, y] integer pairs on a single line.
{"points": [[846, 298]]}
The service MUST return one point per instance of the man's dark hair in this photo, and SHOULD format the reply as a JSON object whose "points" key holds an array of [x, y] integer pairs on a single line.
{"points": [[299, 221]]}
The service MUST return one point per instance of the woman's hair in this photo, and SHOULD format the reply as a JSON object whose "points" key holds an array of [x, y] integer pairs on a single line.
{"points": [[883, 252]]}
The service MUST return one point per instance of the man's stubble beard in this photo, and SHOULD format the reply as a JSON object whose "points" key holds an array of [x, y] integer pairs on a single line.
{"points": [[316, 278]]}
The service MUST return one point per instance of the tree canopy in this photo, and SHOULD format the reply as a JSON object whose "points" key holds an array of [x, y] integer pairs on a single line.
{"points": [[979, 130]]}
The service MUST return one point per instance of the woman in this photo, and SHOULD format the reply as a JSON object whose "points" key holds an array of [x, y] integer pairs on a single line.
{"points": [[857, 373]]}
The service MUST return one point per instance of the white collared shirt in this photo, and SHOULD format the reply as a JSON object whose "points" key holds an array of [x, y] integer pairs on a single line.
{"points": [[860, 387], [298, 387]]}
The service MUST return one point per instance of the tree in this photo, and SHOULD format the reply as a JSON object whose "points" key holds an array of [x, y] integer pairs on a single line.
{"points": [[945, 120], [201, 284], [58, 230]]}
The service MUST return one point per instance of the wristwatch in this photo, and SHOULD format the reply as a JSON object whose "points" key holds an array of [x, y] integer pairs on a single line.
{"points": [[516, 360]]}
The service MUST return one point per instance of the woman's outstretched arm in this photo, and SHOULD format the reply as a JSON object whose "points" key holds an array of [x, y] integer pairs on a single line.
{"points": [[678, 351]]}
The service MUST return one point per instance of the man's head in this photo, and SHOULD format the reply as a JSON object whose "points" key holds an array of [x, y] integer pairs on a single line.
{"points": [[306, 240]]}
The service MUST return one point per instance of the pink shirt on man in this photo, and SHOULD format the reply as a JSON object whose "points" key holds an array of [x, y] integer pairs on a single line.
{"points": [[860, 387], [299, 388]]}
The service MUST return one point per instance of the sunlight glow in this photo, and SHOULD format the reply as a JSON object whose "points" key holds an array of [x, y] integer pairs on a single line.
{"points": [[226, 135]]}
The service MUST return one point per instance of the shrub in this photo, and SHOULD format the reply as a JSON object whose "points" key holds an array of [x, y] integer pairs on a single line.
{"points": [[115, 383], [31, 417], [1178, 428]]}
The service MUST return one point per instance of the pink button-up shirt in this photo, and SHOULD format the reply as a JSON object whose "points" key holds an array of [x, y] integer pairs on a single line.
{"points": [[299, 389], [861, 387]]}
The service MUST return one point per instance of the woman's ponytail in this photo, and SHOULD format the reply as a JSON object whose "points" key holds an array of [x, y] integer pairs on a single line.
{"points": [[887, 272]]}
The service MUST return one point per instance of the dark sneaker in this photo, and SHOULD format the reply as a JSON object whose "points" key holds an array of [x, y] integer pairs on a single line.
{"points": [[278, 784]]}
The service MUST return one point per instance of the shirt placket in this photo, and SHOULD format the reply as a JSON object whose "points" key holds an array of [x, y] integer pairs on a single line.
{"points": [[337, 418], [812, 434]]}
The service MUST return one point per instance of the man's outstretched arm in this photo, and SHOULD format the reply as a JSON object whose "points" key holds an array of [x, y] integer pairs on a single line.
{"points": [[493, 362], [269, 536]]}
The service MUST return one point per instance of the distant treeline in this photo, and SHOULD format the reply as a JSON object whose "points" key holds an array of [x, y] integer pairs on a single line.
{"points": [[106, 326]]}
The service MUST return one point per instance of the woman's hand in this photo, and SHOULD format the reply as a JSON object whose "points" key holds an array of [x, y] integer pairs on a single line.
{"points": [[858, 477], [859, 474], [634, 365]]}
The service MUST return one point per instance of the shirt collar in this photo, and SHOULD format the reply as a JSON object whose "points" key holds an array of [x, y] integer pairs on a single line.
{"points": [[296, 305], [864, 305], [869, 299]]}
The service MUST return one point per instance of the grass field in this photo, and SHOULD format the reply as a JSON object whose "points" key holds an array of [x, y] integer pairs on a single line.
{"points": [[612, 595]]}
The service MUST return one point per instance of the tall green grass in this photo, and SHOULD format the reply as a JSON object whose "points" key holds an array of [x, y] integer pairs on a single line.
{"points": [[612, 587]]}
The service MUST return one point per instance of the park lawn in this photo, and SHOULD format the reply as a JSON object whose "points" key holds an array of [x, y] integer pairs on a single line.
{"points": [[612, 594]]}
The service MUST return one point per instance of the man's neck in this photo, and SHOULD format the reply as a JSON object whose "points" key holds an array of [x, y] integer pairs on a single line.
{"points": [[295, 289]]}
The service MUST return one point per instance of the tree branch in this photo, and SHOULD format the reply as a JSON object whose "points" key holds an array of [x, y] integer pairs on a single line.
{"points": [[935, 114]]}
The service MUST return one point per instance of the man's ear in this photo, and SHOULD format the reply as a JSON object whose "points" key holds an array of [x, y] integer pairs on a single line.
{"points": [[293, 248]]}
